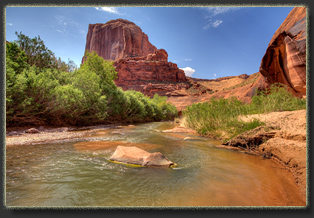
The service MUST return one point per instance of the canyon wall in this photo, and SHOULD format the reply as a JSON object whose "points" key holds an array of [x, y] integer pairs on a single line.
{"points": [[285, 58]]}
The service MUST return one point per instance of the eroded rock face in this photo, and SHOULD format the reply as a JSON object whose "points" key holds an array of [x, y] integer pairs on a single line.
{"points": [[135, 58], [134, 155], [285, 58], [153, 67], [118, 39]]}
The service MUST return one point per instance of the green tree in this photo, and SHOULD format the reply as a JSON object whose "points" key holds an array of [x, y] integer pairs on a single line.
{"points": [[16, 58], [36, 51], [104, 69], [39, 55]]}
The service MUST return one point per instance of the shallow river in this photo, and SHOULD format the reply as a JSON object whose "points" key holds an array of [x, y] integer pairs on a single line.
{"points": [[79, 173]]}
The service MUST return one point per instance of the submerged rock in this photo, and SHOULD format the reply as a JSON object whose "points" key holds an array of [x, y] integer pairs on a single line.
{"points": [[189, 139], [32, 130], [134, 155]]}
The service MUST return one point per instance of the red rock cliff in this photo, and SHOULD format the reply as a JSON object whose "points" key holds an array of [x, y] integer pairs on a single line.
{"points": [[135, 58], [285, 58], [118, 39], [154, 67]]}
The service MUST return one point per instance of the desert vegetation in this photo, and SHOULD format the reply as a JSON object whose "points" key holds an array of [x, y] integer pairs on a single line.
{"points": [[44, 90], [219, 118]]}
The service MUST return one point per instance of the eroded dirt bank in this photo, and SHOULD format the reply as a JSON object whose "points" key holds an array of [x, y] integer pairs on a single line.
{"points": [[283, 139]]}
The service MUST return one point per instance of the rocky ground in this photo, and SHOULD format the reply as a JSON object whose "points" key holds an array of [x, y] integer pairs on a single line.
{"points": [[20, 135], [200, 90]]}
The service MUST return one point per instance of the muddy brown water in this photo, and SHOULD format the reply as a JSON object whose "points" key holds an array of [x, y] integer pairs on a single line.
{"points": [[79, 174]]}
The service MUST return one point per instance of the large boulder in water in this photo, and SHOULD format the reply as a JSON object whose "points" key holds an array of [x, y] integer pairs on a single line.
{"points": [[134, 155]]}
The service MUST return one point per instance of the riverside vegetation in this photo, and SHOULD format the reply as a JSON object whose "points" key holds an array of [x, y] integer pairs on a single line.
{"points": [[219, 118], [39, 86], [43, 90]]}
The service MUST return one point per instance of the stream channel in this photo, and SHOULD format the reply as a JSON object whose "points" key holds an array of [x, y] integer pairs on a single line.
{"points": [[79, 173]]}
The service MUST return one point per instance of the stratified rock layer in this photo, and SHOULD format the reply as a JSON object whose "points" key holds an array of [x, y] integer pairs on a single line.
{"points": [[285, 58], [152, 67]]}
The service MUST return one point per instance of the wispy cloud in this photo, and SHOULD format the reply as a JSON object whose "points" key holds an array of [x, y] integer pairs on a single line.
{"points": [[181, 59], [9, 24], [214, 11], [82, 32], [212, 23], [63, 20], [188, 71], [68, 26], [212, 14], [112, 10]]}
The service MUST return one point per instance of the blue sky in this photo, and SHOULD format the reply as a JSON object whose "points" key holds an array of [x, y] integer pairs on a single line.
{"points": [[210, 42]]}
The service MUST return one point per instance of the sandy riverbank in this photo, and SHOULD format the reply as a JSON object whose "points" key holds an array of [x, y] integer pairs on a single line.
{"points": [[285, 141], [17, 136], [282, 139]]}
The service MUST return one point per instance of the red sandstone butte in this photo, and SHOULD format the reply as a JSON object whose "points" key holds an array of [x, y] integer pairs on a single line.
{"points": [[135, 58], [118, 39], [285, 58]]}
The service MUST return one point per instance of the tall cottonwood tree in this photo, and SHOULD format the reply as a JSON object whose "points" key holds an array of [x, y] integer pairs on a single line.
{"points": [[39, 55]]}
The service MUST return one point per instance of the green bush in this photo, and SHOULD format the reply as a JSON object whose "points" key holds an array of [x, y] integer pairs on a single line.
{"points": [[41, 91]]}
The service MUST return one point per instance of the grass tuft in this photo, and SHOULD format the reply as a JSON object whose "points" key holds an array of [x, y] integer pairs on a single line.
{"points": [[219, 118]]}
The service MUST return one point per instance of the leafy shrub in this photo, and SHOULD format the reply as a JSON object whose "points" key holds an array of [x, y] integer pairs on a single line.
{"points": [[43, 90]]}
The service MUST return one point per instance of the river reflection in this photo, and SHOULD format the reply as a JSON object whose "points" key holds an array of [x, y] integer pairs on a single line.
{"points": [[79, 173]]}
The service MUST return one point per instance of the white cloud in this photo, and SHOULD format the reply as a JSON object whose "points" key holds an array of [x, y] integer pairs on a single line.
{"points": [[66, 24], [82, 32], [112, 10], [216, 23], [65, 21], [188, 71], [10, 24], [213, 12], [212, 23], [181, 59], [214, 76]]}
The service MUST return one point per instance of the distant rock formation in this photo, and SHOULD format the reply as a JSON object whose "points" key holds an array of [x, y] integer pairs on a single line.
{"points": [[285, 58], [155, 66], [137, 61], [118, 39]]}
